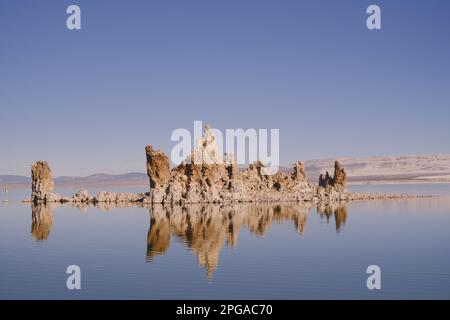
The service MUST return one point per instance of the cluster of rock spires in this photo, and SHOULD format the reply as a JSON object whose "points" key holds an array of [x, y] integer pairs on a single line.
{"points": [[205, 178], [339, 179]]}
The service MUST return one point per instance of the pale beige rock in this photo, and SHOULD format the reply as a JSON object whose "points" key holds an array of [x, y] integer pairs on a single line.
{"points": [[299, 171], [206, 151], [41, 181], [82, 196]]}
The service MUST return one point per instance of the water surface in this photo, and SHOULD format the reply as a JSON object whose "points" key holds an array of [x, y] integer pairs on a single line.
{"points": [[290, 251]]}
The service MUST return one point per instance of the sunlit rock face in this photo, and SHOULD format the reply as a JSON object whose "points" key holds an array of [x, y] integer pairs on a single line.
{"points": [[158, 167], [207, 151], [41, 182]]}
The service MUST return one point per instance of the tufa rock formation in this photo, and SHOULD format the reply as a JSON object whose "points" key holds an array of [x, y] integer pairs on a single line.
{"points": [[299, 171], [338, 181], [158, 167], [340, 177], [41, 182], [204, 177]]}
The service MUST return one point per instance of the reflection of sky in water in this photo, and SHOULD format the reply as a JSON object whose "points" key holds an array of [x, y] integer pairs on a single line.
{"points": [[245, 251]]}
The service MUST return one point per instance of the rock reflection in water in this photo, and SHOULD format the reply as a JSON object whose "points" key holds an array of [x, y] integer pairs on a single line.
{"points": [[41, 220], [338, 210], [206, 228]]}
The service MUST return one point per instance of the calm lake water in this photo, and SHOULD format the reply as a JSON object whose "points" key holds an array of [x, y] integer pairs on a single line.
{"points": [[277, 251]]}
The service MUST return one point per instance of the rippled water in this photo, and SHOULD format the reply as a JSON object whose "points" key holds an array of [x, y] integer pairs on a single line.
{"points": [[289, 251]]}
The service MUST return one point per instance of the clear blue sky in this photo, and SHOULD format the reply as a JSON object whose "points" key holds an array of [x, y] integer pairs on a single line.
{"points": [[90, 100]]}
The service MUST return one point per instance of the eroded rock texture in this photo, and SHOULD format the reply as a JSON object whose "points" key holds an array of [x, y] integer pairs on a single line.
{"points": [[299, 171], [41, 182], [339, 179], [158, 167], [207, 178]]}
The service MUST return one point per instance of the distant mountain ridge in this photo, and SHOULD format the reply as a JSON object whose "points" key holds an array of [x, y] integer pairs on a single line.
{"points": [[420, 168], [103, 177]]}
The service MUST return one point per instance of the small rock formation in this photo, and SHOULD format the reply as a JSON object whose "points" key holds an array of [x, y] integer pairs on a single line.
{"points": [[80, 196], [339, 180], [41, 182], [340, 177], [325, 180], [299, 172]]}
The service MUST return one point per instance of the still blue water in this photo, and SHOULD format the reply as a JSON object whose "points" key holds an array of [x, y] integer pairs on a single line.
{"points": [[278, 251]]}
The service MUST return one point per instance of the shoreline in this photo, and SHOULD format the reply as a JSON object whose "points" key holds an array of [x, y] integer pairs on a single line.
{"points": [[144, 184], [144, 199], [109, 205]]}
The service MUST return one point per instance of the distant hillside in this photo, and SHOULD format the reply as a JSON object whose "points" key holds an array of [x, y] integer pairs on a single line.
{"points": [[101, 179], [14, 180], [421, 168]]}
